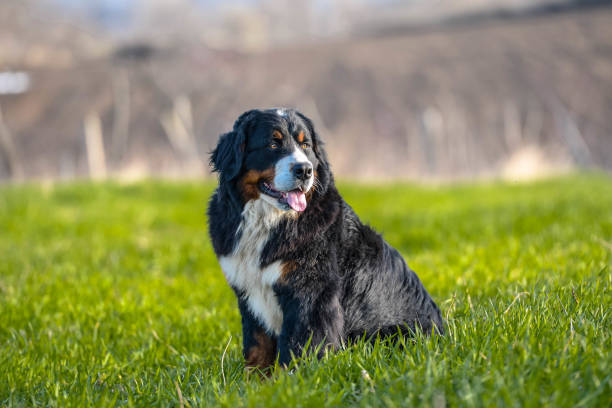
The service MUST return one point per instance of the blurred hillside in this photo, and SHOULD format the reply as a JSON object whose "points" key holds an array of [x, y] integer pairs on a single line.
{"points": [[471, 89]]}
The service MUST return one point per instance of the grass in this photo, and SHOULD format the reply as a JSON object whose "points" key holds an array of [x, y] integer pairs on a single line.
{"points": [[111, 295]]}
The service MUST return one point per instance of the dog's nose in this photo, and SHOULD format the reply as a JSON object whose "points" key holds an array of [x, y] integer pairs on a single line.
{"points": [[302, 171]]}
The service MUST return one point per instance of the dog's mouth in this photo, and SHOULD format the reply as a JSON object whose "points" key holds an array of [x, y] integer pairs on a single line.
{"points": [[295, 199]]}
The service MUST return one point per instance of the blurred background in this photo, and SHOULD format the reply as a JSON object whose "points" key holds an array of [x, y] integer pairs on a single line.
{"points": [[420, 89]]}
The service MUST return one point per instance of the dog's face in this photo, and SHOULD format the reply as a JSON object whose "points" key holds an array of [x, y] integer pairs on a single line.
{"points": [[274, 155]]}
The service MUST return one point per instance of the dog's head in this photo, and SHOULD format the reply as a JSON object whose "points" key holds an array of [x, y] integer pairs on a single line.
{"points": [[274, 155]]}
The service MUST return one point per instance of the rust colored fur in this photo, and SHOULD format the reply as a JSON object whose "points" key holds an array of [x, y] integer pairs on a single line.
{"points": [[248, 183], [263, 353], [287, 268]]}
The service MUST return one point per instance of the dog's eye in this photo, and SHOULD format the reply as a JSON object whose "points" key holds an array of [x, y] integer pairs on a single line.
{"points": [[305, 145], [273, 146]]}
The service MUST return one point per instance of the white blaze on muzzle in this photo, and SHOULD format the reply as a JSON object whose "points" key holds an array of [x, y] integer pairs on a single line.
{"points": [[285, 180]]}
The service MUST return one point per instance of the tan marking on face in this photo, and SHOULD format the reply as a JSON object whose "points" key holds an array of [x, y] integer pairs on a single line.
{"points": [[248, 183], [277, 135], [263, 354], [300, 136]]}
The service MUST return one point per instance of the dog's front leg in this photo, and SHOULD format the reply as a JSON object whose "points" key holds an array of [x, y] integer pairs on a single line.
{"points": [[259, 347], [309, 317]]}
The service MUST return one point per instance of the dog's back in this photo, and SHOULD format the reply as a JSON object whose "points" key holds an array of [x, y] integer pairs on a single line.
{"points": [[380, 293]]}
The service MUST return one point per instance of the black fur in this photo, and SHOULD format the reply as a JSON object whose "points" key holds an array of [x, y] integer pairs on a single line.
{"points": [[345, 280]]}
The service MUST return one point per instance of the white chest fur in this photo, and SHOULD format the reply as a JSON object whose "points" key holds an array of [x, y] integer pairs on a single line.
{"points": [[242, 270]]}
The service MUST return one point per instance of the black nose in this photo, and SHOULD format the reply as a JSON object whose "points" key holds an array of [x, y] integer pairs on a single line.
{"points": [[302, 171]]}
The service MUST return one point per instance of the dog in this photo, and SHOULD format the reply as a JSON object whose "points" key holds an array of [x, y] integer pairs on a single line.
{"points": [[304, 269]]}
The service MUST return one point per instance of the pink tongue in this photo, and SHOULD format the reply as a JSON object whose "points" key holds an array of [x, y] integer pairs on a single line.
{"points": [[297, 200]]}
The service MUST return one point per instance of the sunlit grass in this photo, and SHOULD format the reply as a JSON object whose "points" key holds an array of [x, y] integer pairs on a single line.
{"points": [[111, 294]]}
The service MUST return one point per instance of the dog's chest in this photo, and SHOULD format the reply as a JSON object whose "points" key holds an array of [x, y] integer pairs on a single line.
{"points": [[242, 267]]}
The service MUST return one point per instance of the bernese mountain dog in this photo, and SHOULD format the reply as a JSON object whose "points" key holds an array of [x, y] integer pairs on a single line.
{"points": [[304, 268]]}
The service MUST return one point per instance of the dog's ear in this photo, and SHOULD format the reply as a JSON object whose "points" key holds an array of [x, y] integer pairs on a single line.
{"points": [[323, 172], [228, 156], [317, 143]]}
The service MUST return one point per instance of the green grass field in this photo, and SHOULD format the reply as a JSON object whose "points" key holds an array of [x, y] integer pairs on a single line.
{"points": [[111, 295]]}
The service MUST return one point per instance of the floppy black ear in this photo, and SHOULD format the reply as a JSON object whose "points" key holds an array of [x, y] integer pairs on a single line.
{"points": [[228, 156], [317, 143], [323, 172]]}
